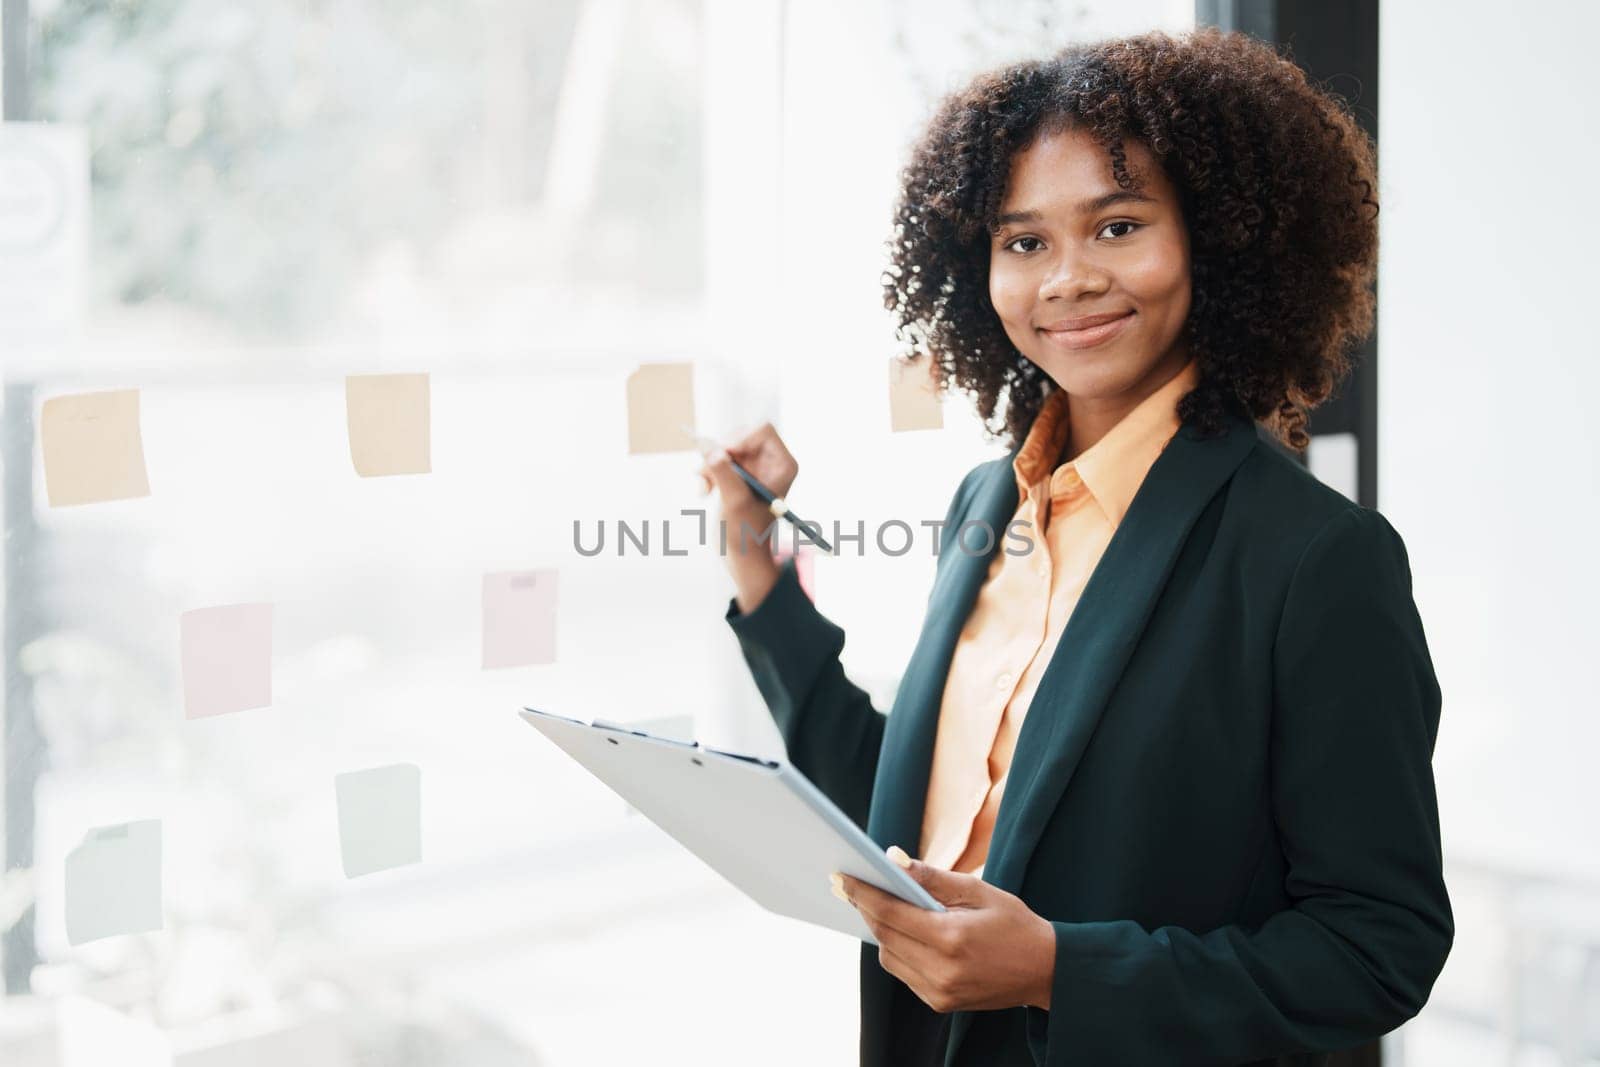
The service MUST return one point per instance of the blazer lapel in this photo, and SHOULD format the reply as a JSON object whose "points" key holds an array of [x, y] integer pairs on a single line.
{"points": [[1099, 638], [900, 789]]}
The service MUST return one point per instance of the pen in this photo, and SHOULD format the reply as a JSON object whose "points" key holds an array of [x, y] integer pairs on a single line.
{"points": [[775, 503]]}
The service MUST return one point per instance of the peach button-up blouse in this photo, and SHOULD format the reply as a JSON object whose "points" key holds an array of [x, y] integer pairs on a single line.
{"points": [[1024, 605]]}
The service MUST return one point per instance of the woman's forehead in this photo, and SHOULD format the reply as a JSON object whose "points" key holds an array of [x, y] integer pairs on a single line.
{"points": [[1070, 170]]}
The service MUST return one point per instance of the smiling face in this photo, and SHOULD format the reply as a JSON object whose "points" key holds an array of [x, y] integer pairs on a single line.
{"points": [[1073, 245]]}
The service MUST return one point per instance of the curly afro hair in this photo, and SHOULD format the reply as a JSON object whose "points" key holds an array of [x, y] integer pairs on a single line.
{"points": [[1276, 184]]}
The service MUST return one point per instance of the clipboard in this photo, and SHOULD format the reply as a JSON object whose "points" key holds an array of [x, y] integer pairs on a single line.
{"points": [[759, 823]]}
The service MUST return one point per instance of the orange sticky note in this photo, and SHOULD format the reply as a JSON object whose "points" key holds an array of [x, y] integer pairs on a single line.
{"points": [[226, 659], [519, 618], [388, 416], [660, 404], [93, 450], [913, 400]]}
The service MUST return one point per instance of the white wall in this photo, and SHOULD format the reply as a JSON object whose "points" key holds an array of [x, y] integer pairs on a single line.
{"points": [[1487, 466], [1489, 370]]}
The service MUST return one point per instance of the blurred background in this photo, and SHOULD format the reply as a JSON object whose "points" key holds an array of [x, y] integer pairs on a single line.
{"points": [[232, 207]]}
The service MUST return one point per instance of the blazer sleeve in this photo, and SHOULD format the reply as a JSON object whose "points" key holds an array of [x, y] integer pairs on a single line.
{"points": [[1355, 716], [830, 729]]}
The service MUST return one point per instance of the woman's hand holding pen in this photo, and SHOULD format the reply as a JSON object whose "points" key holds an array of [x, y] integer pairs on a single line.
{"points": [[987, 950], [762, 453]]}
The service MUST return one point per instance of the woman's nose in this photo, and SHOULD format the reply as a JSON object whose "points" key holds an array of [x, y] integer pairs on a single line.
{"points": [[1071, 275]]}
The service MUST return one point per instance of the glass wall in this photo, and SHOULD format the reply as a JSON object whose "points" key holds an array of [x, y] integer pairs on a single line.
{"points": [[222, 214]]}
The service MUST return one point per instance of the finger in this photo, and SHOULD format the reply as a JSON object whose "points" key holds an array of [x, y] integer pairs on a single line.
{"points": [[947, 887], [913, 976], [905, 957], [909, 919], [753, 440], [880, 932], [727, 480], [763, 448], [924, 960], [897, 965], [922, 967]]}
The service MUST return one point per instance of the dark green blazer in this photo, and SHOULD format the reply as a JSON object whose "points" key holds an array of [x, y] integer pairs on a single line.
{"points": [[1221, 797]]}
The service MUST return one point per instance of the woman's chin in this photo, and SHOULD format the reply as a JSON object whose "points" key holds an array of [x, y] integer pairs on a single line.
{"points": [[1088, 374]]}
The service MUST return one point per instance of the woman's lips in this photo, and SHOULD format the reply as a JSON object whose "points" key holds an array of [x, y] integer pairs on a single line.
{"points": [[1090, 337]]}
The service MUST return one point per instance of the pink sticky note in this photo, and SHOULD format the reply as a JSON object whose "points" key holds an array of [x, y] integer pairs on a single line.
{"points": [[519, 618], [227, 659]]}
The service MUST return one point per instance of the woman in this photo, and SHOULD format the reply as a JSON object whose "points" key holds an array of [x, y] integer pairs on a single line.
{"points": [[1169, 767]]}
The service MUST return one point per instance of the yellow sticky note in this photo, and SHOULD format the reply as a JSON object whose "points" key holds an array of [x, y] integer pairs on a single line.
{"points": [[913, 400], [389, 421], [93, 450], [660, 405]]}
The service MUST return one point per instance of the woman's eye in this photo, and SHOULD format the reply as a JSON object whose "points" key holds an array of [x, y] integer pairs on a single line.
{"points": [[1128, 228]]}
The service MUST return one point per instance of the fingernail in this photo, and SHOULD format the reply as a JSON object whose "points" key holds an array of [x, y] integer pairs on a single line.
{"points": [[717, 457], [898, 854], [837, 884]]}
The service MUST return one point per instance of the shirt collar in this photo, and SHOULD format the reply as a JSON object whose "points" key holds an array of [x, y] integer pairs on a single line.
{"points": [[1113, 468]]}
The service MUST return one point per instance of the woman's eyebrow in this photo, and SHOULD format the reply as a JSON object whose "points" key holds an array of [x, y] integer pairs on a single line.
{"points": [[1086, 207]]}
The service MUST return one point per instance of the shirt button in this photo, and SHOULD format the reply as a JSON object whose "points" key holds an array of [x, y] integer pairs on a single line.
{"points": [[1003, 682]]}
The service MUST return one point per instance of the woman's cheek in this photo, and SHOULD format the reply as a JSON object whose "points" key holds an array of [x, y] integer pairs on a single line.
{"points": [[1011, 299], [1161, 276]]}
